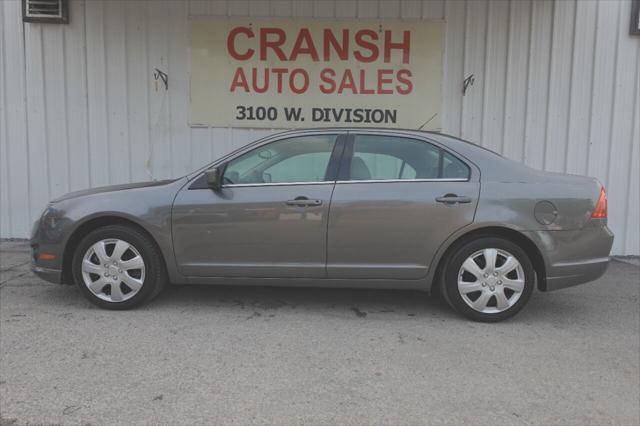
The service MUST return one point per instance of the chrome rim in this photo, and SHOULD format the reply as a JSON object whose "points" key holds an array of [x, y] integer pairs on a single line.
{"points": [[491, 280], [113, 270]]}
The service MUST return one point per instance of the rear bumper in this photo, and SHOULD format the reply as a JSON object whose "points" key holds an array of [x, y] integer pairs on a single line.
{"points": [[574, 273], [573, 257]]}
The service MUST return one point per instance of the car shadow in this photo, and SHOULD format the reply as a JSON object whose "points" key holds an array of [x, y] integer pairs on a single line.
{"points": [[257, 301], [360, 303]]}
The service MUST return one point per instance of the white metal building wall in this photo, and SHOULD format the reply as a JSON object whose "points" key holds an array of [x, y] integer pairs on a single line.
{"points": [[556, 87]]}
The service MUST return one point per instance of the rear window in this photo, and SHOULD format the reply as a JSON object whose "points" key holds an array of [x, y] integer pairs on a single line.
{"points": [[452, 168], [378, 157]]}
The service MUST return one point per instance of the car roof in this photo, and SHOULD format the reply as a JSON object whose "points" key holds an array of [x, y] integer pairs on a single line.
{"points": [[461, 146], [491, 164]]}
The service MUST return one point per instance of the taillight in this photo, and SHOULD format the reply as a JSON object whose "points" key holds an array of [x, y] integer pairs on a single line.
{"points": [[600, 212]]}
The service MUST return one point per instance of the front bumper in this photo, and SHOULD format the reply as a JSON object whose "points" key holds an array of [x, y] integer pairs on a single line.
{"points": [[49, 270], [47, 274]]}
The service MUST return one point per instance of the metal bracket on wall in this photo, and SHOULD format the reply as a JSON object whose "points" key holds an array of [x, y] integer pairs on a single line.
{"points": [[157, 74], [466, 83]]}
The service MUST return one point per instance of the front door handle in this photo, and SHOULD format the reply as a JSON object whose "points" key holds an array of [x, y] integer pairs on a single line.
{"points": [[453, 199], [304, 202]]}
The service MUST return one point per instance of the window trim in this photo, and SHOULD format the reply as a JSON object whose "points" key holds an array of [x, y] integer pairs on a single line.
{"points": [[246, 185], [404, 180], [345, 164], [331, 172]]}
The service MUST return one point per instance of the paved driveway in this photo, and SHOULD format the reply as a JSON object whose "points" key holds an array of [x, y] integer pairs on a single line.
{"points": [[213, 355]]}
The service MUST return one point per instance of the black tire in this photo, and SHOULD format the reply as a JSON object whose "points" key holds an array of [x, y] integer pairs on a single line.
{"points": [[155, 277], [465, 250]]}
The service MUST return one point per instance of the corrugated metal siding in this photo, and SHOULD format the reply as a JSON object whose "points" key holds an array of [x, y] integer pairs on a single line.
{"points": [[556, 87]]}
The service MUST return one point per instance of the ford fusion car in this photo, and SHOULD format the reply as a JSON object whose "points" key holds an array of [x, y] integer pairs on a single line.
{"points": [[336, 208]]}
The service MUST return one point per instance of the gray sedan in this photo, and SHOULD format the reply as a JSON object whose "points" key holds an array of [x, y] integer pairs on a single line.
{"points": [[336, 208]]}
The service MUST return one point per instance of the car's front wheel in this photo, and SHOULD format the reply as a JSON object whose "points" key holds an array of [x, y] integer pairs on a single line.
{"points": [[489, 279], [118, 267]]}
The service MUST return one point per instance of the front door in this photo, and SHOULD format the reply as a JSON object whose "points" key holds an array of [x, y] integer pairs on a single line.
{"points": [[393, 206], [268, 220]]}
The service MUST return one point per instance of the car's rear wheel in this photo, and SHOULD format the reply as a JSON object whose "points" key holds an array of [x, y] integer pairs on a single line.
{"points": [[118, 267], [489, 279]]}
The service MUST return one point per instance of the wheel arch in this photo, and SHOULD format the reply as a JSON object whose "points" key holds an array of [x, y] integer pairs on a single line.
{"points": [[532, 250], [91, 224]]}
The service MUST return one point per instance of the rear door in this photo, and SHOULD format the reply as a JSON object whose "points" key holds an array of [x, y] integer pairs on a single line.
{"points": [[396, 200]]}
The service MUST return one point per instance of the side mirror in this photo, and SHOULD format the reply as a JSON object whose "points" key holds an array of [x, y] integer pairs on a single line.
{"points": [[214, 178]]}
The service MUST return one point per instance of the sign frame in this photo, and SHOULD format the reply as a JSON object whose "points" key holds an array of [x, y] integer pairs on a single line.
{"points": [[430, 122]]}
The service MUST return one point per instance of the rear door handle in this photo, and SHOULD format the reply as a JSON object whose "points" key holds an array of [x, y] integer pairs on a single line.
{"points": [[304, 202], [453, 199]]}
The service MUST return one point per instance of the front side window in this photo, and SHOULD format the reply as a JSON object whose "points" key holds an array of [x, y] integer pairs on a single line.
{"points": [[299, 159], [398, 158]]}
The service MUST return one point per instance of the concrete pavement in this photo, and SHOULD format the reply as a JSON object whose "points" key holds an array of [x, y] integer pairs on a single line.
{"points": [[215, 355]]}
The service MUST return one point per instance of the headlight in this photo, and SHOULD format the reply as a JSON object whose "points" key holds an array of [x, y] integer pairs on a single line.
{"points": [[48, 217], [52, 222]]}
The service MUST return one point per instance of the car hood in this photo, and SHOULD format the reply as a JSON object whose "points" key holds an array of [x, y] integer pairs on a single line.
{"points": [[112, 188]]}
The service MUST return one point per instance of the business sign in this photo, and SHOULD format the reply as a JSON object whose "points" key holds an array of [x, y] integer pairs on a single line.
{"points": [[289, 73]]}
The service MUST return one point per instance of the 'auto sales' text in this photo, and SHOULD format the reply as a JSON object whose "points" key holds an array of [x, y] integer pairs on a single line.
{"points": [[261, 47]]}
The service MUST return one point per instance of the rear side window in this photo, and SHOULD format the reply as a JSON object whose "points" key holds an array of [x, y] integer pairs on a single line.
{"points": [[452, 168], [398, 158]]}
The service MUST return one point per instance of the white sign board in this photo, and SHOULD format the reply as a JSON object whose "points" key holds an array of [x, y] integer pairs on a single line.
{"points": [[288, 73]]}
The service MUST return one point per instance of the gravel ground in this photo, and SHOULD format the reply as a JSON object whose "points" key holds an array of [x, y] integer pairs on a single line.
{"points": [[216, 355]]}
